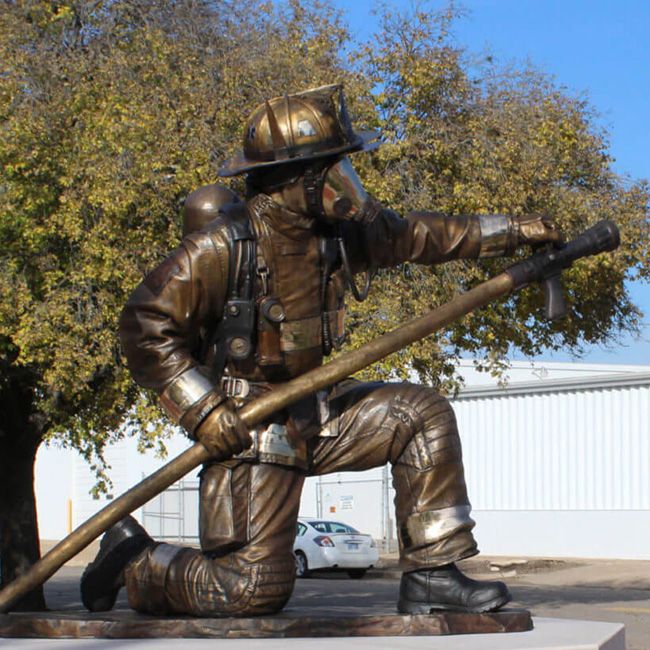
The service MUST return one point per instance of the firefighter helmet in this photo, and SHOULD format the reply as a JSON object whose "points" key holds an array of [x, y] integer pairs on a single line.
{"points": [[296, 128]]}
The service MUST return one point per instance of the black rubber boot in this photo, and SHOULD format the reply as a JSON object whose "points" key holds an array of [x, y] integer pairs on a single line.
{"points": [[445, 587], [104, 576]]}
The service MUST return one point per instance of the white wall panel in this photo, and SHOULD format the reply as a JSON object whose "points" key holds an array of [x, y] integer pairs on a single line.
{"points": [[621, 534], [53, 489], [563, 450]]}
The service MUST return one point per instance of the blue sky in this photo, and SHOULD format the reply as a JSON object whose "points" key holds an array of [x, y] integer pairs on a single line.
{"points": [[599, 47]]}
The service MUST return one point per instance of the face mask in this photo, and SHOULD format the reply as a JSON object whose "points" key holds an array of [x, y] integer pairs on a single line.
{"points": [[338, 194]]}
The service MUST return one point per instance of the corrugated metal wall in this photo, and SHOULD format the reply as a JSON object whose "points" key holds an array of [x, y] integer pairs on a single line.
{"points": [[560, 469], [573, 449]]}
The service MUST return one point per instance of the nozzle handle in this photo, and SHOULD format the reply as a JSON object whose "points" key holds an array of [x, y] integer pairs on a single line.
{"points": [[554, 305]]}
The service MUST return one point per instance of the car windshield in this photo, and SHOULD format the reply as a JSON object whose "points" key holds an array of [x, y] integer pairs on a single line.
{"points": [[332, 527]]}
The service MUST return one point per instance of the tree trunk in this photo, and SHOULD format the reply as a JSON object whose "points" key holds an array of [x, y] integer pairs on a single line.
{"points": [[21, 432], [19, 539]]}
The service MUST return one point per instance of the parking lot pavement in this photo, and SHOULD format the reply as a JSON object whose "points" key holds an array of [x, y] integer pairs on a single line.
{"points": [[616, 591], [544, 571]]}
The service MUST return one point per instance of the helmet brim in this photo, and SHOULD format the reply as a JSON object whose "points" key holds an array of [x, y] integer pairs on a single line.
{"points": [[239, 164]]}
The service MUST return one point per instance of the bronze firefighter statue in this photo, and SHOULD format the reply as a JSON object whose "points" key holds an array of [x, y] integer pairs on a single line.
{"points": [[253, 297]]}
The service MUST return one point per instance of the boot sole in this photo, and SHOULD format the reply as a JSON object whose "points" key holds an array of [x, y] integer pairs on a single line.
{"points": [[100, 582], [409, 607]]}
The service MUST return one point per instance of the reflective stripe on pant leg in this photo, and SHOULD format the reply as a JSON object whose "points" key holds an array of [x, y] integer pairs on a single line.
{"points": [[422, 528]]}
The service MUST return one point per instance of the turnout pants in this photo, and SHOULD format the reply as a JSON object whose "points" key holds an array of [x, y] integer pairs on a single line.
{"points": [[249, 509]]}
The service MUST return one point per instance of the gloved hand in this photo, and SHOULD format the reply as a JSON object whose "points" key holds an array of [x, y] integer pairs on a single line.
{"points": [[223, 433], [535, 229]]}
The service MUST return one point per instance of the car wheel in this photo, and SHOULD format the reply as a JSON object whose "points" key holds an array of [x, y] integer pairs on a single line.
{"points": [[302, 568], [357, 574]]}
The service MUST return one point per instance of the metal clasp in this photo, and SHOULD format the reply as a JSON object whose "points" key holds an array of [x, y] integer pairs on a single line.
{"points": [[263, 273], [235, 386]]}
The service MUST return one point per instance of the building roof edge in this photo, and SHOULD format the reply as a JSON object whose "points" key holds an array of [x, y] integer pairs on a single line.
{"points": [[625, 380]]}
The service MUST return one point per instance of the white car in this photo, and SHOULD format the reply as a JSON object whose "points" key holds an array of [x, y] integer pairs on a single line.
{"points": [[322, 544]]}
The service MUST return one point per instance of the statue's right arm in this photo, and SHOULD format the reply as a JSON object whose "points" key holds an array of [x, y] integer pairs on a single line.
{"points": [[162, 324]]}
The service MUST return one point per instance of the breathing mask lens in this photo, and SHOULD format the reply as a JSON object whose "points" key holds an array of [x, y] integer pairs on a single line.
{"points": [[343, 195]]}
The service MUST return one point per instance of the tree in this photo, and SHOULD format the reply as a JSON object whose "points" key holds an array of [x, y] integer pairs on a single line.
{"points": [[111, 112], [467, 136]]}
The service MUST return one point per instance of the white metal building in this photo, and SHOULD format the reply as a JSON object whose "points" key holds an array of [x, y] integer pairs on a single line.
{"points": [[560, 466], [557, 464]]}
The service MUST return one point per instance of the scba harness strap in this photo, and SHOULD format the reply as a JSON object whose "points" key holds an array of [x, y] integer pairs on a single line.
{"points": [[233, 336]]}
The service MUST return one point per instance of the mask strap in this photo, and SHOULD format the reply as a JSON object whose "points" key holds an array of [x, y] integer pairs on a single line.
{"points": [[312, 184]]}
